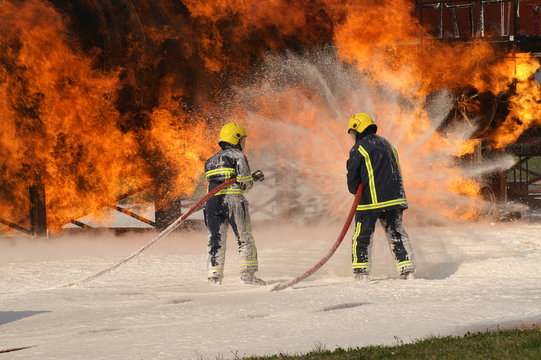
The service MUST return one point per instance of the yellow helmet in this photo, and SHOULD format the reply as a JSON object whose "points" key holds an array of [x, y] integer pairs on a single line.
{"points": [[359, 122], [232, 133]]}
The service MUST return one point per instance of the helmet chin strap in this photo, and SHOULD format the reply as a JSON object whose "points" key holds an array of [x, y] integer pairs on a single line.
{"points": [[242, 143], [353, 135]]}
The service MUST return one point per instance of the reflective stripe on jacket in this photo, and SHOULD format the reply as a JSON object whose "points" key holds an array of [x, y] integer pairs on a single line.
{"points": [[374, 163]]}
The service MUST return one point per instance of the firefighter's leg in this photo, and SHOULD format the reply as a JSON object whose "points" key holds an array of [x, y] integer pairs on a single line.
{"points": [[241, 225], [362, 242], [398, 241], [216, 221]]}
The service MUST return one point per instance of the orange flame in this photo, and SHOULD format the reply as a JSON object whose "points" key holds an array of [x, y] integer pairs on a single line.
{"points": [[90, 134], [54, 105], [468, 147], [525, 105], [61, 126]]}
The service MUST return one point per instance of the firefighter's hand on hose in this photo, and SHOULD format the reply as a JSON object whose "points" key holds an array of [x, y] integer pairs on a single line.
{"points": [[258, 175]]}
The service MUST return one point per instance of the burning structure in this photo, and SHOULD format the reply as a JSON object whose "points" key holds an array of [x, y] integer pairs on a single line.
{"points": [[507, 119], [100, 100]]}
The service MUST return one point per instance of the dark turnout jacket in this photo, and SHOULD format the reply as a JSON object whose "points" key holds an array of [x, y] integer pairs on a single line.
{"points": [[374, 163]]}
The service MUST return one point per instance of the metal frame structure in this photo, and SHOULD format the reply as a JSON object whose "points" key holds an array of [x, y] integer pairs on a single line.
{"points": [[509, 17], [37, 216], [516, 27], [453, 5], [521, 179]]}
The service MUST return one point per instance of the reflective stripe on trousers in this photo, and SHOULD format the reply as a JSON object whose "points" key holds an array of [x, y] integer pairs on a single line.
{"points": [[398, 239]]}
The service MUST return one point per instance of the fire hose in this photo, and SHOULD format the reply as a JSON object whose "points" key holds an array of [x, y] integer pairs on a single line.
{"points": [[337, 243], [160, 236]]}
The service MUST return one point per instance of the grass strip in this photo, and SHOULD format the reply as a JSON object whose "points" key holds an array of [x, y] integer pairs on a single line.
{"points": [[499, 345]]}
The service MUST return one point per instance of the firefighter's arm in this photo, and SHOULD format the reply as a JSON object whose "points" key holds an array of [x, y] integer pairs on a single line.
{"points": [[353, 167], [244, 174]]}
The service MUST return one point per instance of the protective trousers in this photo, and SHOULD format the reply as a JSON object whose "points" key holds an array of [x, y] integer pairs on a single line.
{"points": [[398, 239], [220, 212]]}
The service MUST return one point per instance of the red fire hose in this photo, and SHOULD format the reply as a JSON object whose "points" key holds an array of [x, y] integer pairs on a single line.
{"points": [[321, 262], [161, 235]]}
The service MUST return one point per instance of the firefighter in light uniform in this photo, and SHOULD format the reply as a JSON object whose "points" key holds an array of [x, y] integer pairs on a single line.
{"points": [[374, 163], [229, 206]]}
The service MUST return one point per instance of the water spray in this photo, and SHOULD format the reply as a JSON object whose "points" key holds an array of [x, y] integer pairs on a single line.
{"points": [[160, 236], [337, 243]]}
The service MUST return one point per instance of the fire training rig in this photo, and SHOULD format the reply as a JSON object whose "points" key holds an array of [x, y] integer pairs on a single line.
{"points": [[514, 28]]}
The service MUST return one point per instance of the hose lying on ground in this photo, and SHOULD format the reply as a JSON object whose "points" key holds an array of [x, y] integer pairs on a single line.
{"points": [[160, 236], [321, 262]]}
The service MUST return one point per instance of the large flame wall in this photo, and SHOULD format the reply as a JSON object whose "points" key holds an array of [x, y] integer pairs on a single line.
{"points": [[100, 99]]}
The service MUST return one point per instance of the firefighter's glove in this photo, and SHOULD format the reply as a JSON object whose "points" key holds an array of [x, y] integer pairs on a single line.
{"points": [[258, 175]]}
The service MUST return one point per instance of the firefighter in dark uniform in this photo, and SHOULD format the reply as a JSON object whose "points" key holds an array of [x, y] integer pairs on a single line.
{"points": [[373, 162], [229, 206]]}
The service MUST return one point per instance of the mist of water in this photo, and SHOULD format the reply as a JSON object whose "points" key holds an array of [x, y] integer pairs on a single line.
{"points": [[296, 108]]}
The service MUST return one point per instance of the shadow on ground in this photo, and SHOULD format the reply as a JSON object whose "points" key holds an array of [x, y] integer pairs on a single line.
{"points": [[10, 316]]}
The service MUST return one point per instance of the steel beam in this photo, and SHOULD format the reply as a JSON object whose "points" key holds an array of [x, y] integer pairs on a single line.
{"points": [[38, 211]]}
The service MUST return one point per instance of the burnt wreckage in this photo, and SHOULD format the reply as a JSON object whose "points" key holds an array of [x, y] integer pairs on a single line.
{"points": [[513, 27]]}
